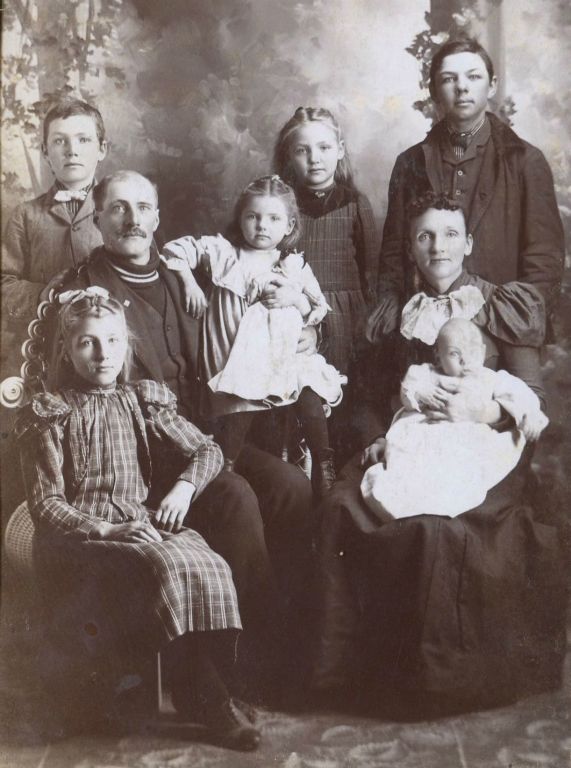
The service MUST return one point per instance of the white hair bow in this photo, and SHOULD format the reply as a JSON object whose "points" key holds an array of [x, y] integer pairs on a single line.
{"points": [[70, 297]]}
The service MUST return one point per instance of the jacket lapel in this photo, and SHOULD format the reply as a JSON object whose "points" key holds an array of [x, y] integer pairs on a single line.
{"points": [[433, 163], [485, 186], [57, 210], [86, 210]]}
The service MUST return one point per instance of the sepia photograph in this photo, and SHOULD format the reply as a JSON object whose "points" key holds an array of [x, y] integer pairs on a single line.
{"points": [[285, 384]]}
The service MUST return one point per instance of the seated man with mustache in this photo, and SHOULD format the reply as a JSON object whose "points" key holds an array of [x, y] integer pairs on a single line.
{"points": [[265, 507]]}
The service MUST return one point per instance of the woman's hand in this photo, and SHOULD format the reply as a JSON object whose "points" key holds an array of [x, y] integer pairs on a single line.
{"points": [[466, 404], [281, 292], [135, 532], [436, 394], [374, 453], [174, 507]]}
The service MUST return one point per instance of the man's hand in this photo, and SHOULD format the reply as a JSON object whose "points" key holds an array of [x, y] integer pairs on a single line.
{"points": [[54, 284], [374, 453], [174, 507], [307, 344], [136, 532]]}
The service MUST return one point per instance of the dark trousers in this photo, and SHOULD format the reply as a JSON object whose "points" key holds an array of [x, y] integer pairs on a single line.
{"points": [[259, 519]]}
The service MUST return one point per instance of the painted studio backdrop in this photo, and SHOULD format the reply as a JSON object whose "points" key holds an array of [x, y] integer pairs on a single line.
{"points": [[193, 93]]}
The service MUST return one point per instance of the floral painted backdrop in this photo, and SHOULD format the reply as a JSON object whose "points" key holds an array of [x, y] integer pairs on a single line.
{"points": [[193, 93]]}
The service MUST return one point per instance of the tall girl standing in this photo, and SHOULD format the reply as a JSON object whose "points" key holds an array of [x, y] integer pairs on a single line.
{"points": [[339, 240]]}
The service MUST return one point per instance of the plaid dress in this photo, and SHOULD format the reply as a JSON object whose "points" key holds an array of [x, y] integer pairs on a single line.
{"points": [[86, 458], [339, 241]]}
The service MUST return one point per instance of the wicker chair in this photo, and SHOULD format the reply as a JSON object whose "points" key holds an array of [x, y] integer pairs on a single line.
{"points": [[15, 391]]}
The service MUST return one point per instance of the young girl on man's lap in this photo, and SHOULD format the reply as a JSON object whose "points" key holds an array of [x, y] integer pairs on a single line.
{"points": [[262, 295]]}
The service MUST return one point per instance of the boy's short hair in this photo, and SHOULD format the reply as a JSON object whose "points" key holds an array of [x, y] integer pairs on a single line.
{"points": [[420, 205], [460, 45], [69, 108]]}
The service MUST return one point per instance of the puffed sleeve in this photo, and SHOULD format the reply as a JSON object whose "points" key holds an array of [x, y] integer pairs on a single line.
{"points": [[515, 313], [214, 255], [40, 435], [367, 244], [158, 405]]}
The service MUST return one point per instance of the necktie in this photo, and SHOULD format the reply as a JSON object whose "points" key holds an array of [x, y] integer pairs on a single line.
{"points": [[67, 195], [460, 140]]}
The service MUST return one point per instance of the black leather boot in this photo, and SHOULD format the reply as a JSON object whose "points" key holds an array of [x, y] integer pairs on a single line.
{"points": [[323, 475]]}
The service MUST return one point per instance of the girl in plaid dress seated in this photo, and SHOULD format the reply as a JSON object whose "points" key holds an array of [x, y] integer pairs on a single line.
{"points": [[129, 577], [340, 243], [250, 337]]}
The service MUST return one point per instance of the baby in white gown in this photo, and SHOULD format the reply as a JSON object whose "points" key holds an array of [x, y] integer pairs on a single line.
{"points": [[442, 467]]}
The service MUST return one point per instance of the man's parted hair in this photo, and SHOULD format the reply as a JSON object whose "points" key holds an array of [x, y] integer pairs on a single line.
{"points": [[100, 189]]}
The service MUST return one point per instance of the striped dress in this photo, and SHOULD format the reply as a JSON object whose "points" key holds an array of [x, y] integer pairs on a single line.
{"points": [[340, 243], [85, 457]]}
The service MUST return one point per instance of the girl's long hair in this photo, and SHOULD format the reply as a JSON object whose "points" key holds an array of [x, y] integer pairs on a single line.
{"points": [[302, 116], [267, 186], [61, 370]]}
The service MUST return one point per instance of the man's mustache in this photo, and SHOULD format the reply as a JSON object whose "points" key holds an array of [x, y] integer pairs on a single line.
{"points": [[133, 232]]}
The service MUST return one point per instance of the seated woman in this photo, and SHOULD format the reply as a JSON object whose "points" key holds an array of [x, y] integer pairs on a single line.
{"points": [[124, 577], [468, 609]]}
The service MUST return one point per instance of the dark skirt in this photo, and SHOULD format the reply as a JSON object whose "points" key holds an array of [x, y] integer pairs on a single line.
{"points": [[472, 608], [112, 602]]}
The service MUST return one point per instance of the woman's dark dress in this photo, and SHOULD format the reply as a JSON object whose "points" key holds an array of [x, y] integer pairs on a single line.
{"points": [[470, 608]]}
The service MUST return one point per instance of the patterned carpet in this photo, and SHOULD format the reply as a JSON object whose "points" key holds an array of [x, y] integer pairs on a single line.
{"points": [[533, 733]]}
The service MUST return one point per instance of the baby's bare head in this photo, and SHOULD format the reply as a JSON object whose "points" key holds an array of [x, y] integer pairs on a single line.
{"points": [[460, 347]]}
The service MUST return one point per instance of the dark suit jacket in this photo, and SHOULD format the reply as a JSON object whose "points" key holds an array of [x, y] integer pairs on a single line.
{"points": [[40, 240], [514, 218], [98, 271]]}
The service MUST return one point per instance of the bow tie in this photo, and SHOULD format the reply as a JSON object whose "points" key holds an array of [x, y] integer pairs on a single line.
{"points": [[423, 316], [67, 195]]}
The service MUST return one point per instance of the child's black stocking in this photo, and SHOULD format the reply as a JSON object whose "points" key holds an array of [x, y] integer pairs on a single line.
{"points": [[309, 409]]}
